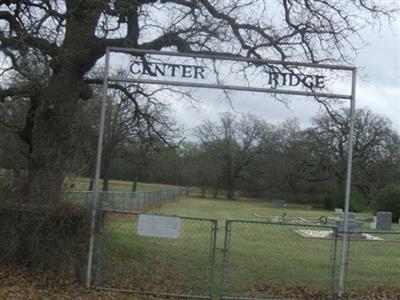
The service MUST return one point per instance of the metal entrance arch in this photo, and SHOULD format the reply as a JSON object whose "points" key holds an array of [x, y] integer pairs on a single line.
{"points": [[273, 90]]}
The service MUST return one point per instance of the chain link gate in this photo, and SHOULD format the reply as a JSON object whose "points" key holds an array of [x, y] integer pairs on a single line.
{"points": [[261, 260], [265, 260], [374, 265], [182, 266]]}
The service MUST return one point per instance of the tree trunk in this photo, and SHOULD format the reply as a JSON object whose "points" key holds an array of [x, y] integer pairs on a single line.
{"points": [[203, 192], [231, 194], [135, 183], [91, 184], [51, 136], [138, 175], [106, 182], [106, 175], [231, 188]]}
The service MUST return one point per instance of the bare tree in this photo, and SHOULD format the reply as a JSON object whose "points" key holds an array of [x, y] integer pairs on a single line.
{"points": [[236, 143], [375, 158], [149, 136], [67, 38], [134, 126]]}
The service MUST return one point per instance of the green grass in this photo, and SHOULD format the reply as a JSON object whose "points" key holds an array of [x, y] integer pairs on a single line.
{"points": [[263, 258], [82, 184], [248, 210], [160, 265]]}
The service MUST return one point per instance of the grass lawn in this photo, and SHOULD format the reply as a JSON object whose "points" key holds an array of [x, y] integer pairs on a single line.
{"points": [[82, 184], [242, 210], [265, 260]]}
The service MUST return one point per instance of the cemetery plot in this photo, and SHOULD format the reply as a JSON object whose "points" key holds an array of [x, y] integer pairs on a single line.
{"points": [[263, 259], [266, 260], [374, 263]]}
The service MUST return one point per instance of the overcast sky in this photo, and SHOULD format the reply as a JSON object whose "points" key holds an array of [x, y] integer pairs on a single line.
{"points": [[378, 88]]}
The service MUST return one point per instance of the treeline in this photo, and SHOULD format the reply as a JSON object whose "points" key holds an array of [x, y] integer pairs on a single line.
{"points": [[236, 155], [243, 155], [248, 156]]}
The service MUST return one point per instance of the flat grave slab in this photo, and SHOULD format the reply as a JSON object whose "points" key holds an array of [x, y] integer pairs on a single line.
{"points": [[328, 234]]}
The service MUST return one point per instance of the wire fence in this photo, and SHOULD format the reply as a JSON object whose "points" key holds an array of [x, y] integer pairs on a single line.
{"points": [[373, 269], [55, 238], [174, 261], [45, 239], [246, 260], [274, 260], [265, 260], [125, 201]]}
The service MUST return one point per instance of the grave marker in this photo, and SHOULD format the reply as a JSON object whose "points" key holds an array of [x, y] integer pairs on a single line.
{"points": [[383, 220], [278, 203]]}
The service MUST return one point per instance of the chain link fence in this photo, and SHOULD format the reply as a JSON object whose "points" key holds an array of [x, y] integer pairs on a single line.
{"points": [[373, 269], [55, 238], [45, 239], [125, 201], [260, 260], [275, 260], [265, 260], [129, 260]]}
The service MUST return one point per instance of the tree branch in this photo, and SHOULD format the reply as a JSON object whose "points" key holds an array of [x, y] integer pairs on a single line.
{"points": [[24, 90], [23, 42]]}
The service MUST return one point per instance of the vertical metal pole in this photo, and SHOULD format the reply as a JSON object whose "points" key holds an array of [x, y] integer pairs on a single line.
{"points": [[213, 246], [343, 265], [333, 261], [225, 266], [98, 169], [99, 253]]}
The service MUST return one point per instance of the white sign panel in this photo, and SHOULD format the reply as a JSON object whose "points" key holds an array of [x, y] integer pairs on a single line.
{"points": [[159, 226]]}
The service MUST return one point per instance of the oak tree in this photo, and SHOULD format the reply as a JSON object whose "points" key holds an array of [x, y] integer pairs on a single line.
{"points": [[63, 41]]}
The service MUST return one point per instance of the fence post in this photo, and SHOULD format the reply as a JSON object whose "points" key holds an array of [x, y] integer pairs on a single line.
{"points": [[225, 266], [213, 246], [333, 261], [99, 248], [135, 200]]}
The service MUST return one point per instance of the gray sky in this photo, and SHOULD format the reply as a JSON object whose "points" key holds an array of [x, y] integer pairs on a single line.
{"points": [[378, 88]]}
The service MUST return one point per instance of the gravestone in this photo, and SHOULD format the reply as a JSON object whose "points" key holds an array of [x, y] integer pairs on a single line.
{"points": [[351, 216], [338, 211], [353, 227], [278, 203], [373, 223], [383, 220]]}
